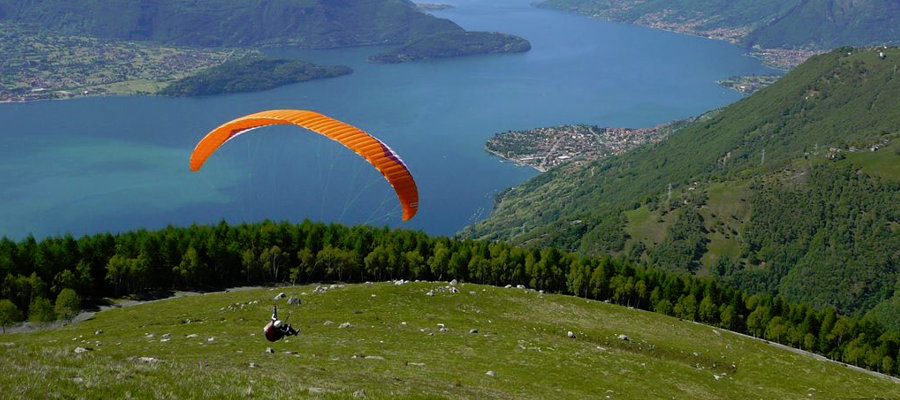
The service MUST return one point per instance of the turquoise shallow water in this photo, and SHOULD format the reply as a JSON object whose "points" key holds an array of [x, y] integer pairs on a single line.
{"points": [[119, 163]]}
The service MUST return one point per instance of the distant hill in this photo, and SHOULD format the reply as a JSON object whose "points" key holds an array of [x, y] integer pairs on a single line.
{"points": [[825, 24], [250, 74], [807, 24], [454, 44], [307, 23], [793, 190], [392, 340]]}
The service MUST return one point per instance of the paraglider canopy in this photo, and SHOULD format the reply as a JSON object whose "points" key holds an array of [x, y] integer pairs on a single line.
{"points": [[367, 146]]}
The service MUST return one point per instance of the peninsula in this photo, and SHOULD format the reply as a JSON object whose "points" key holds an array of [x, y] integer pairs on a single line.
{"points": [[546, 148], [250, 74]]}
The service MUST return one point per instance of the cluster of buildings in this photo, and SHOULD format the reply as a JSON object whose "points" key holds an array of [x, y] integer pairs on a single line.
{"points": [[546, 148]]}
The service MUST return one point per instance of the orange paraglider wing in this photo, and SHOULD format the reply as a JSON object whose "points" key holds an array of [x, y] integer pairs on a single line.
{"points": [[373, 150]]}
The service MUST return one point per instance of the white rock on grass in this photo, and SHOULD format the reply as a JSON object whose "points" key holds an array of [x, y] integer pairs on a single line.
{"points": [[279, 296], [623, 337], [79, 350], [430, 293], [473, 330], [570, 334], [293, 301], [359, 393], [491, 373], [344, 325], [454, 282], [193, 335], [329, 322]]}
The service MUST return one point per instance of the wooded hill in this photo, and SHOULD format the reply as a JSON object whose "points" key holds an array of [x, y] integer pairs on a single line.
{"points": [[208, 257], [307, 23], [815, 24], [250, 74], [794, 190]]}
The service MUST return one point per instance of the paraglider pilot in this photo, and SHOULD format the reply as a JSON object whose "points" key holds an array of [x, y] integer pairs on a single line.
{"points": [[276, 328]]}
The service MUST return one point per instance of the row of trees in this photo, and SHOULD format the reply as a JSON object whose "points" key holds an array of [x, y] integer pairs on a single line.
{"points": [[209, 257]]}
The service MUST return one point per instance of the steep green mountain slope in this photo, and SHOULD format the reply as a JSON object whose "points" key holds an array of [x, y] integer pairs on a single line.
{"points": [[817, 24], [780, 192], [825, 24], [464, 341], [308, 23]]}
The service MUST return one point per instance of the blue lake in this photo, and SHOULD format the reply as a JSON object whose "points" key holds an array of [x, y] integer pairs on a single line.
{"points": [[120, 163]]}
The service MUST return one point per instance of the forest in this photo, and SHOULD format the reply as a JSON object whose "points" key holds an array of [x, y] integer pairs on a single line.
{"points": [[63, 269], [250, 74]]}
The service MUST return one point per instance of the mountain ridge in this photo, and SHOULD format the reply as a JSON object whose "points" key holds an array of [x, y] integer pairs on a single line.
{"points": [[698, 192]]}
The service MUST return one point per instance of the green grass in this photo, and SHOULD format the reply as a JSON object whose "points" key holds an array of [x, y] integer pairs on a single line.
{"points": [[645, 226], [521, 336], [885, 162], [725, 213]]}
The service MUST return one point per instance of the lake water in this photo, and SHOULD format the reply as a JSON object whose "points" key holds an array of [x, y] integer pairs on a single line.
{"points": [[120, 163]]}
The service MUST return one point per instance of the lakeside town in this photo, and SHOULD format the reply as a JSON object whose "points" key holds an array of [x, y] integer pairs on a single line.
{"points": [[546, 148], [41, 66]]}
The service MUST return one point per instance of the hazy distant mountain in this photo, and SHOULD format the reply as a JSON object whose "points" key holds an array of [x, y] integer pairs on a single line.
{"points": [[826, 24], [814, 24], [794, 190], [308, 23]]}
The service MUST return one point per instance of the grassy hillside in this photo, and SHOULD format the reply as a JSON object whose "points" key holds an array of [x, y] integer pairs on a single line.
{"points": [[774, 193], [308, 23], [817, 24], [211, 346]]}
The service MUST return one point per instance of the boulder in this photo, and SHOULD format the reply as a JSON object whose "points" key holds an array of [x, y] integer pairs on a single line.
{"points": [[344, 325], [491, 373], [570, 334], [279, 296], [623, 337], [430, 293], [294, 301], [79, 350], [270, 350], [454, 282], [359, 393], [473, 330]]}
